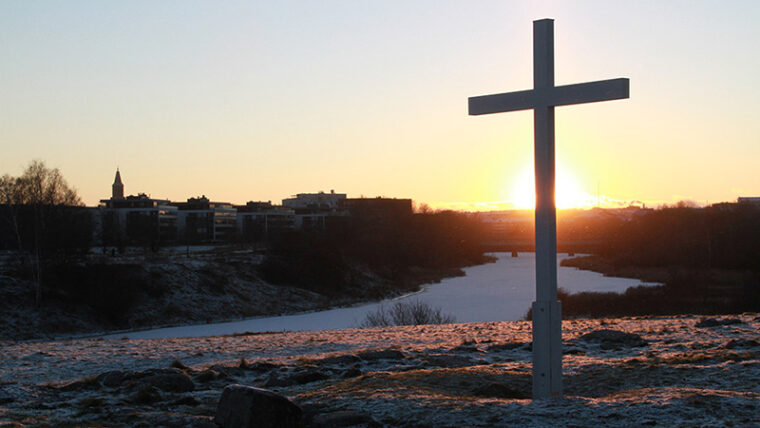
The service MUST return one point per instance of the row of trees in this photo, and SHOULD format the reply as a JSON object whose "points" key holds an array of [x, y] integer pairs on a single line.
{"points": [[708, 260], [724, 236]]}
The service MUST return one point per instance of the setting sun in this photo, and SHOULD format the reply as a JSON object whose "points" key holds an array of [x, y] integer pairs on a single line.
{"points": [[568, 193]]}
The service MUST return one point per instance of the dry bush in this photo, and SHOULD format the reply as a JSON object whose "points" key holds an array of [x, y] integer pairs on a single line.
{"points": [[406, 313]]}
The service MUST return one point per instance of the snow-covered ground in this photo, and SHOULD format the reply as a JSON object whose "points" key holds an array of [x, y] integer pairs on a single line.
{"points": [[474, 374], [500, 291]]}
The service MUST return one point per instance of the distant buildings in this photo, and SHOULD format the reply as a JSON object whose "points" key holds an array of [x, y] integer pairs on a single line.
{"points": [[754, 200], [135, 220]]}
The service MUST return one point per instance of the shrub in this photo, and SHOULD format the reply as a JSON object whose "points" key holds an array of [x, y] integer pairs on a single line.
{"points": [[406, 313]]}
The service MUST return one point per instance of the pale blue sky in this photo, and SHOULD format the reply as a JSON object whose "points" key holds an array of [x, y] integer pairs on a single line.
{"points": [[256, 101]]}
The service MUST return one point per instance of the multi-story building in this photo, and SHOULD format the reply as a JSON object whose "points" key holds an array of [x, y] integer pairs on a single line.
{"points": [[315, 201], [313, 209], [200, 220], [754, 200], [258, 221]]}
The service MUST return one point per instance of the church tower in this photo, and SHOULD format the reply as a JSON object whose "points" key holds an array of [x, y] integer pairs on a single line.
{"points": [[117, 189]]}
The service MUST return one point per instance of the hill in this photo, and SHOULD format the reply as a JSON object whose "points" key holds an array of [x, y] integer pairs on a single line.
{"points": [[680, 371]]}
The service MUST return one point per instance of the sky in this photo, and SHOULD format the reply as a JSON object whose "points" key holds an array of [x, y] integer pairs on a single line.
{"points": [[248, 100]]}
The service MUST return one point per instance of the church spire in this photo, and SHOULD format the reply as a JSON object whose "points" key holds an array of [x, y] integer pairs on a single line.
{"points": [[117, 189]]}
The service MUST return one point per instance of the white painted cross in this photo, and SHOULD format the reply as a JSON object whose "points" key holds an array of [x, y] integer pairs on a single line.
{"points": [[547, 313]]}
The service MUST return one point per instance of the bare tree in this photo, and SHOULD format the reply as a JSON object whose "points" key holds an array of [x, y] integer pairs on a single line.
{"points": [[7, 197], [41, 188], [40, 185]]}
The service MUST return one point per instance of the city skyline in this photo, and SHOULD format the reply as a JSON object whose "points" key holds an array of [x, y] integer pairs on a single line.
{"points": [[261, 101]]}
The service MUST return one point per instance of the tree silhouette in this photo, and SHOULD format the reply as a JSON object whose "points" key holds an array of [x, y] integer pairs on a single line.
{"points": [[37, 210]]}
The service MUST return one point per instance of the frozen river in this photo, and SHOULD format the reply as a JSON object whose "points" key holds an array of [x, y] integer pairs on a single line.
{"points": [[500, 291]]}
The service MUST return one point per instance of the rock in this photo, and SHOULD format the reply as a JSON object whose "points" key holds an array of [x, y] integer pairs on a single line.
{"points": [[466, 347], [342, 360], [79, 385], [170, 382], [299, 378], [708, 322], [712, 322], [245, 406], [308, 377], [447, 361], [261, 366], [208, 375], [611, 339], [387, 354], [228, 371], [114, 378], [499, 390], [351, 372], [345, 418], [275, 380], [741, 343], [146, 395], [177, 364]]}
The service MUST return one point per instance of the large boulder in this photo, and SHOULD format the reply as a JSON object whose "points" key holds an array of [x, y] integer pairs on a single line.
{"points": [[246, 407]]}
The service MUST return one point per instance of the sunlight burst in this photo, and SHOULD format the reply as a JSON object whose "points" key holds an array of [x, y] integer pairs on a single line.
{"points": [[568, 193]]}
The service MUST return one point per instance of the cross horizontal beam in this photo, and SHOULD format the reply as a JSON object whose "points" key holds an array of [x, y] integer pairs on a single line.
{"points": [[603, 90]]}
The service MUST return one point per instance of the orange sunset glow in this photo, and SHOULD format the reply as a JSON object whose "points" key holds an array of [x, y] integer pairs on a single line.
{"points": [[266, 101], [568, 193]]}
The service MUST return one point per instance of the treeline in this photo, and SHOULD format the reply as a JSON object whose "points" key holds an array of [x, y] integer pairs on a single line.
{"points": [[708, 260], [39, 212], [723, 236], [398, 252], [43, 218]]}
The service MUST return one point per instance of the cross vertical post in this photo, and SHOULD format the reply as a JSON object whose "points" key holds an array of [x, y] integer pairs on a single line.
{"points": [[546, 310]]}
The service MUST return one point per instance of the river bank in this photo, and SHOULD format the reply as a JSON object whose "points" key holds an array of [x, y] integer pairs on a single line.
{"points": [[135, 292], [683, 290], [498, 291]]}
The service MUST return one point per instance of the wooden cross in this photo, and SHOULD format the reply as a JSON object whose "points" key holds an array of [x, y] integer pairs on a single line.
{"points": [[546, 310]]}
